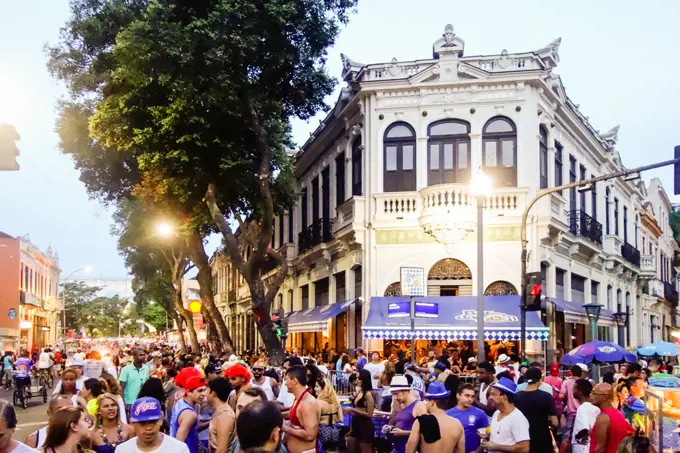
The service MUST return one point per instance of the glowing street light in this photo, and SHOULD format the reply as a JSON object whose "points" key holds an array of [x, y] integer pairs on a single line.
{"points": [[164, 229], [195, 306]]}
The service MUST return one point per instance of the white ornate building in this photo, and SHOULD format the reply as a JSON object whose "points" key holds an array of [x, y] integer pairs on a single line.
{"points": [[384, 184]]}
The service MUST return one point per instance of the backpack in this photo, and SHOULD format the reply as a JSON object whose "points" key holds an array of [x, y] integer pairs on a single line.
{"points": [[637, 443]]}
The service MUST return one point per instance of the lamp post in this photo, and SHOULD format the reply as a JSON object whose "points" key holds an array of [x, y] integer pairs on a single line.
{"points": [[87, 270], [621, 319], [480, 186], [593, 312]]}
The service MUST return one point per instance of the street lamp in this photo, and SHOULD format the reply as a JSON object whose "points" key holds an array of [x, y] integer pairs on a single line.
{"points": [[165, 229], [621, 318], [87, 269], [480, 186], [593, 312]]}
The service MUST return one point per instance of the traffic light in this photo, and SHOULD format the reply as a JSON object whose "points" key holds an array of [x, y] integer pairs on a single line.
{"points": [[8, 149], [280, 323], [533, 291], [676, 172]]}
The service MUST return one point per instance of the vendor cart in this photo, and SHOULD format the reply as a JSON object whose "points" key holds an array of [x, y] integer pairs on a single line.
{"points": [[662, 416]]}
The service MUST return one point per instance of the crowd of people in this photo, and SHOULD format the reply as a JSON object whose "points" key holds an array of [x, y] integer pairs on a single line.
{"points": [[147, 398]]}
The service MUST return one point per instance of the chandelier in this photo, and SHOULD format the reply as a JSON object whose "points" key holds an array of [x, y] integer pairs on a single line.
{"points": [[450, 234]]}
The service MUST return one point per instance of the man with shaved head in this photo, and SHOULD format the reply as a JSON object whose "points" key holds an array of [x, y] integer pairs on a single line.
{"points": [[36, 439], [610, 426]]}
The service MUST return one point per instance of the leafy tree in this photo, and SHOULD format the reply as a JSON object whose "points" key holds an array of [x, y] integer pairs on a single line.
{"points": [[181, 102], [97, 316], [158, 265]]}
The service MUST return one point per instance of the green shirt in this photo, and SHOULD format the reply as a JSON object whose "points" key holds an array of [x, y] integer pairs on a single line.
{"points": [[134, 378]]}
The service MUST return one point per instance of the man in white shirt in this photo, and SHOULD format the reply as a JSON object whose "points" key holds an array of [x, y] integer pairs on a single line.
{"points": [[585, 417], [509, 427], [146, 417], [376, 368], [286, 399]]}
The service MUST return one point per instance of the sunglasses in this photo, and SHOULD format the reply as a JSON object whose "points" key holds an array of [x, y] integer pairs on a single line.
{"points": [[258, 369]]}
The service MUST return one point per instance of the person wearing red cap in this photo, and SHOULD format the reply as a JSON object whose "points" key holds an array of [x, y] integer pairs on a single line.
{"points": [[184, 418], [555, 381], [239, 377]]}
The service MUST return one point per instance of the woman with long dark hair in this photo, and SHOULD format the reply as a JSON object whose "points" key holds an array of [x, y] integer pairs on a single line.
{"points": [[66, 430], [362, 431]]}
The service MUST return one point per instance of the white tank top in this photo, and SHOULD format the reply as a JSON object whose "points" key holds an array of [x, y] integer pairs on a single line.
{"points": [[40, 438], [482, 393], [266, 387]]}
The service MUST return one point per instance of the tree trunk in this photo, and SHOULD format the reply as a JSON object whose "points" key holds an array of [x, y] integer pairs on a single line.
{"points": [[182, 340], [200, 259], [188, 320], [265, 326]]}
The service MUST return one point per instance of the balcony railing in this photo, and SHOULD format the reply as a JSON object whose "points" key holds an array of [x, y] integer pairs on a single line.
{"points": [[581, 224], [670, 294], [648, 264], [316, 233], [630, 254]]}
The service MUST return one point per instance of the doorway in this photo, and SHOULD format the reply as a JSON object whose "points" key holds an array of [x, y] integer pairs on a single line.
{"points": [[448, 290]]}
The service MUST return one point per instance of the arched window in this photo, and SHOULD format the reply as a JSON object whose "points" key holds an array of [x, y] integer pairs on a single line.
{"points": [[619, 295], [399, 158], [543, 155], [448, 157], [393, 290], [290, 301], [637, 223], [610, 295], [607, 196], [500, 288], [500, 151]]}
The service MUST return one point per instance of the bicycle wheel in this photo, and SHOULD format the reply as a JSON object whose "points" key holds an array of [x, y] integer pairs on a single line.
{"points": [[44, 394], [16, 397]]}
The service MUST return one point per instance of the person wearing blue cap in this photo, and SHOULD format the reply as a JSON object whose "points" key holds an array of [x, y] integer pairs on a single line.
{"points": [[435, 431], [146, 417], [509, 427]]}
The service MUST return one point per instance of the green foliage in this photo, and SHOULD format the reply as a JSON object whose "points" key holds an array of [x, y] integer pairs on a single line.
{"points": [[98, 316]]}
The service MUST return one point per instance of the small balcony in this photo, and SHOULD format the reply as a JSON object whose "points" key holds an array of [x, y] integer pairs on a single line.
{"points": [[349, 213], [630, 254], [316, 233], [583, 225], [654, 287], [647, 266]]}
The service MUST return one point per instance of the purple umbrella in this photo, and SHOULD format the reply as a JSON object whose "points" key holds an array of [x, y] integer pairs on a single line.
{"points": [[598, 352]]}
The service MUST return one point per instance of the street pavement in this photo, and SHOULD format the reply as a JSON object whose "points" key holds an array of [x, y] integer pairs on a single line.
{"points": [[30, 419]]}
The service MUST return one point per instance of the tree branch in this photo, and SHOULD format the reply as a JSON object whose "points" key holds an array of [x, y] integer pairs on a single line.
{"points": [[222, 224], [273, 287], [265, 232]]}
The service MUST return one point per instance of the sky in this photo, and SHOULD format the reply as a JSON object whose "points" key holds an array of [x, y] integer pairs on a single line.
{"points": [[618, 61]]}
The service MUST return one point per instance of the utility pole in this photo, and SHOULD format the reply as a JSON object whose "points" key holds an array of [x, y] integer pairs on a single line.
{"points": [[586, 184]]}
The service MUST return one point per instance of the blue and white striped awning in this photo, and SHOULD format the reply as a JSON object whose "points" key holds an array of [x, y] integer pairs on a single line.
{"points": [[457, 320], [315, 319]]}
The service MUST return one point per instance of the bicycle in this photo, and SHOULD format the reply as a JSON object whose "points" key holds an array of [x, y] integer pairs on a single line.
{"points": [[45, 377]]}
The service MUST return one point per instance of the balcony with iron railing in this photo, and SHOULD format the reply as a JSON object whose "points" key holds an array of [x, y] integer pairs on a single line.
{"points": [[647, 266], [630, 254], [583, 225], [316, 233]]}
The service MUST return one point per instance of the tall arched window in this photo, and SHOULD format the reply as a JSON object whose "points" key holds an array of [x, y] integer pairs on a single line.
{"points": [[637, 223], [607, 196], [399, 158], [619, 296], [500, 151], [543, 155], [610, 295], [448, 157]]}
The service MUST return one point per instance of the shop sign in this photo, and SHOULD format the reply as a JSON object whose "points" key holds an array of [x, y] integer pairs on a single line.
{"points": [[427, 310], [398, 310], [12, 313], [413, 282], [490, 316]]}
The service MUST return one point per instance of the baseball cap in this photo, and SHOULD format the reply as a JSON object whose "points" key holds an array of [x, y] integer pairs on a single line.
{"points": [[211, 368], [440, 366], [145, 409], [185, 374], [238, 370], [582, 366], [77, 362], [472, 359], [360, 350], [193, 383]]}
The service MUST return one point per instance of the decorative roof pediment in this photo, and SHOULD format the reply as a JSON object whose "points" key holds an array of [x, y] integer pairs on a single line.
{"points": [[610, 138], [449, 43]]}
